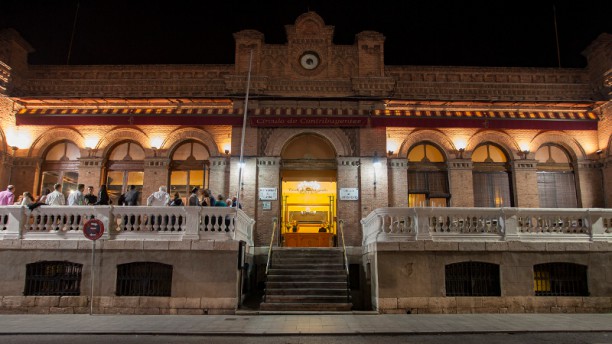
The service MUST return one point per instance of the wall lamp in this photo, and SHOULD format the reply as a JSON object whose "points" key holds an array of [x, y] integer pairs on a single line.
{"points": [[524, 154], [461, 151], [376, 160], [390, 153], [227, 152]]}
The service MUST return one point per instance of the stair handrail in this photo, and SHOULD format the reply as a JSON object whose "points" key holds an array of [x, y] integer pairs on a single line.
{"points": [[346, 266], [274, 224]]}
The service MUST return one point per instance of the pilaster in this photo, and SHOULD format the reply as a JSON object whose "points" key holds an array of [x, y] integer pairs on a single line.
{"points": [[607, 178], [219, 177], [268, 176], [156, 174], [398, 182], [590, 184], [90, 172], [526, 183], [461, 183], [349, 177]]}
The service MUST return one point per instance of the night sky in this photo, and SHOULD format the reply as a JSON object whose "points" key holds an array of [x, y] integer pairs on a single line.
{"points": [[469, 33]]}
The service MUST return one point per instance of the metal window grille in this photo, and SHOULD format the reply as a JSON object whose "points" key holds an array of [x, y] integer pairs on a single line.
{"points": [[53, 278], [144, 279], [560, 279], [472, 279]]}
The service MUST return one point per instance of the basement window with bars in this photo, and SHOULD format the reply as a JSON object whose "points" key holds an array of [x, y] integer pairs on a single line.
{"points": [[472, 279], [53, 278], [144, 279], [560, 279]]}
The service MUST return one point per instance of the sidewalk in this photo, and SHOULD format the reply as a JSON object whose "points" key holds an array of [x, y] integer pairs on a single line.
{"points": [[302, 324]]}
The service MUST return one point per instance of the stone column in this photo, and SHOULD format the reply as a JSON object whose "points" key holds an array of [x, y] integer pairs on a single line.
{"points": [[460, 182], [526, 183], [90, 172], [156, 174], [268, 176], [607, 177], [590, 184], [349, 211], [218, 177], [398, 182], [26, 175]]}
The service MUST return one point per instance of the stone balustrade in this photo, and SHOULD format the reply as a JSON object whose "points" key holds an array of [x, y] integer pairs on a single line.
{"points": [[487, 224], [127, 223]]}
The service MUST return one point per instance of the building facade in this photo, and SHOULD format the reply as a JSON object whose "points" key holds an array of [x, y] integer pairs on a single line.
{"points": [[331, 133]]}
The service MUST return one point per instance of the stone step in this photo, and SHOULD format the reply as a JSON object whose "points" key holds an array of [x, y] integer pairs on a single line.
{"points": [[338, 307], [284, 265], [307, 278], [306, 299], [306, 272], [307, 291], [335, 260], [271, 285]]}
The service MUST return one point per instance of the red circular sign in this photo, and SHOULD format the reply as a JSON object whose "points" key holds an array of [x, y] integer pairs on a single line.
{"points": [[93, 229]]}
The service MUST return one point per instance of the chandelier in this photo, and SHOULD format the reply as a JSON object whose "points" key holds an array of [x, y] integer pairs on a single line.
{"points": [[308, 187]]}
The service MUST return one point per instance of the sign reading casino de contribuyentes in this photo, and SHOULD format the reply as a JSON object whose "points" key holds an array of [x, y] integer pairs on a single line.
{"points": [[349, 194], [267, 194]]}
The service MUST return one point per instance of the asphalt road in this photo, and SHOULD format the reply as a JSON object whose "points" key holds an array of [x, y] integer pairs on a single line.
{"points": [[493, 338]]}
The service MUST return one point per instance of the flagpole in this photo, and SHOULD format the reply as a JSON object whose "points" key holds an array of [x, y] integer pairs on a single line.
{"points": [[244, 122], [557, 36]]}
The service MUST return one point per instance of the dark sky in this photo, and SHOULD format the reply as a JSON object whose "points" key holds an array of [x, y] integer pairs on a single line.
{"points": [[433, 32]]}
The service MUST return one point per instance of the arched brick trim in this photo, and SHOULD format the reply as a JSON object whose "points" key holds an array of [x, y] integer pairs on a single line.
{"points": [[281, 137], [51, 136], [505, 141], [177, 137], [309, 16], [557, 137], [122, 134], [436, 137]]}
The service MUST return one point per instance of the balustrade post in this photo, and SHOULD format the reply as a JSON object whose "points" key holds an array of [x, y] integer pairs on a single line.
{"points": [[421, 217], [596, 226], [510, 218], [104, 213], [15, 223], [192, 226]]}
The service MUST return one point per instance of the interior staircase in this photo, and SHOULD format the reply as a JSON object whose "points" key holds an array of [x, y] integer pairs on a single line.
{"points": [[307, 279]]}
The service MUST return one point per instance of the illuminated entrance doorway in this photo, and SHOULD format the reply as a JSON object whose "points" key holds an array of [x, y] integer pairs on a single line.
{"points": [[308, 192]]}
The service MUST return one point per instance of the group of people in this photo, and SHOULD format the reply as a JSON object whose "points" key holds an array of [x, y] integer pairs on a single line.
{"points": [[162, 198], [56, 197], [131, 197]]}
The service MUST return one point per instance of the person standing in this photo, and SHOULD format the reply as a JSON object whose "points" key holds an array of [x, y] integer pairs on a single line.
{"points": [[77, 197], [90, 198], [157, 199], [132, 197], [7, 197], [193, 198], [103, 198], [56, 197], [27, 199]]}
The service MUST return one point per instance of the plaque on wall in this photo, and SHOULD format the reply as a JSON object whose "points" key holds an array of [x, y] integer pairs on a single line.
{"points": [[267, 194], [266, 205], [349, 194]]}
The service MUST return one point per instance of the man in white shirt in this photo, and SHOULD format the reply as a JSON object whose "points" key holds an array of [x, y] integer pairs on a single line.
{"points": [[159, 198], [77, 197], [56, 197]]}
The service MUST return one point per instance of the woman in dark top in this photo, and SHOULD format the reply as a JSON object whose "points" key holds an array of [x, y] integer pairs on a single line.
{"points": [[103, 198], [176, 201]]}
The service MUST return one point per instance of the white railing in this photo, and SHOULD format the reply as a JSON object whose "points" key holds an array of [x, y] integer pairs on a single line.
{"points": [[125, 223], [487, 224]]}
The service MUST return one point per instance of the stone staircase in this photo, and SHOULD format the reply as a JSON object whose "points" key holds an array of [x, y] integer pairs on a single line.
{"points": [[306, 279]]}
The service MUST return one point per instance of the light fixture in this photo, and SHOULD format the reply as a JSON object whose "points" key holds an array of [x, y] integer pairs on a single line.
{"points": [[227, 152], [154, 151], [14, 148], [461, 151], [599, 151], [524, 154], [376, 160], [390, 153]]}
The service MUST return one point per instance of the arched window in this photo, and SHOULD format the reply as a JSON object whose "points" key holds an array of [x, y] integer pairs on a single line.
{"points": [[53, 278], [556, 182], [427, 177], [144, 279], [125, 166], [560, 279], [189, 168], [61, 165], [491, 177], [472, 279]]}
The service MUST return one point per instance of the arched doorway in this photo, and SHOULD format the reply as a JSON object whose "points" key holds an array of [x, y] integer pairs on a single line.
{"points": [[308, 192]]}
